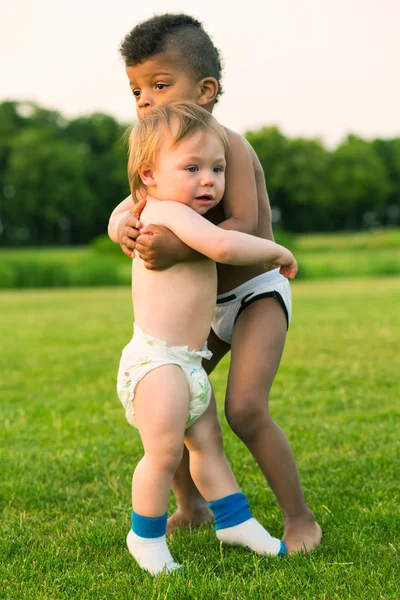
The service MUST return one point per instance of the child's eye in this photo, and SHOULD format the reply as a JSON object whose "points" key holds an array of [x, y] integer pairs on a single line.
{"points": [[161, 86], [217, 169], [136, 93], [192, 169]]}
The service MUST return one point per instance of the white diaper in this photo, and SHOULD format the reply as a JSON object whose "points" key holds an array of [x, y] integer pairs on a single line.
{"points": [[145, 353], [230, 305]]}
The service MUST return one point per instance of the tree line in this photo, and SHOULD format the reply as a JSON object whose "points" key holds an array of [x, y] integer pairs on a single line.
{"points": [[61, 178]]}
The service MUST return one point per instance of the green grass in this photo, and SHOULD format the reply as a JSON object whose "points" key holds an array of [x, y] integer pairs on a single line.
{"points": [[374, 240], [67, 453], [66, 254], [338, 263]]}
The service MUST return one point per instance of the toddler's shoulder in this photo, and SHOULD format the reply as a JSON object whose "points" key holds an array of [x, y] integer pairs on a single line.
{"points": [[168, 209]]}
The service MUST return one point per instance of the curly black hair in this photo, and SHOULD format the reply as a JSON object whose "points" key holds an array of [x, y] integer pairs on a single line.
{"points": [[178, 32]]}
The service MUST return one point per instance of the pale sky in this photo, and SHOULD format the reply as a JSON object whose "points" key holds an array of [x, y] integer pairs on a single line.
{"points": [[315, 68]]}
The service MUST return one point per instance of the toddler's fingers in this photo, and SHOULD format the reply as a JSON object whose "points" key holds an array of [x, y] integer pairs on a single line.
{"points": [[134, 222], [293, 271], [131, 232], [127, 251], [137, 209], [284, 271], [288, 271]]}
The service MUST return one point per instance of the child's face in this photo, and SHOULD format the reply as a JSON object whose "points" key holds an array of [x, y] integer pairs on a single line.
{"points": [[160, 79], [193, 172]]}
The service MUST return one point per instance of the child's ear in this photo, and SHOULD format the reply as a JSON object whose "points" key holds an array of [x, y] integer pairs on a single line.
{"points": [[147, 176], [208, 89]]}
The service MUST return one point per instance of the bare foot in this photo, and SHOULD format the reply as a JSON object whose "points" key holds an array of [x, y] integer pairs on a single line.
{"points": [[301, 535], [190, 518]]}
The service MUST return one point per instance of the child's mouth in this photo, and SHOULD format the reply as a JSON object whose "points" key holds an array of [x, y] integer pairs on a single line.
{"points": [[206, 198]]}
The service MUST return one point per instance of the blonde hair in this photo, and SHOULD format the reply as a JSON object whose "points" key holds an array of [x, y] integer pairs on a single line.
{"points": [[147, 135]]}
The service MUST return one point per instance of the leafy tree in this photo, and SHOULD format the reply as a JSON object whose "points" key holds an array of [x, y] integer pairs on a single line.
{"points": [[15, 118], [52, 202], [302, 182], [11, 123], [60, 179], [107, 177], [359, 181], [389, 152], [296, 172]]}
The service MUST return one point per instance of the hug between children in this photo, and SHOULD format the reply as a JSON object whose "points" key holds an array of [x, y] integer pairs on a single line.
{"points": [[199, 198]]}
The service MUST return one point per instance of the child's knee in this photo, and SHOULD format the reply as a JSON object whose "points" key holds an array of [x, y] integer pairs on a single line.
{"points": [[171, 459], [167, 456], [206, 439], [246, 418]]}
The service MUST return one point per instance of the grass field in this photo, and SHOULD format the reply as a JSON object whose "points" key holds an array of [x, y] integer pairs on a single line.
{"points": [[67, 454]]}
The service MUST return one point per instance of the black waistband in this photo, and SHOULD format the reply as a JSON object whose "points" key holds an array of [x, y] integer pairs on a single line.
{"points": [[226, 299]]}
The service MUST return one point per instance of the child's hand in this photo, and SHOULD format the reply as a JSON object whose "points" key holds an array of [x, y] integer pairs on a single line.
{"points": [[288, 264], [129, 229], [289, 272], [158, 247]]}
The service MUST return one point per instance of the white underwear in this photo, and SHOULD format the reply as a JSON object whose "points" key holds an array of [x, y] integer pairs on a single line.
{"points": [[230, 305]]}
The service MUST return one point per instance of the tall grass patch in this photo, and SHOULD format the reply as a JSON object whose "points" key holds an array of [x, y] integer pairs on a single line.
{"points": [[41, 270], [327, 256]]}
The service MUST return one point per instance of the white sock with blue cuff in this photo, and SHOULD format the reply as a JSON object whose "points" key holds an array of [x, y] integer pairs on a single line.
{"points": [[235, 524], [148, 545]]}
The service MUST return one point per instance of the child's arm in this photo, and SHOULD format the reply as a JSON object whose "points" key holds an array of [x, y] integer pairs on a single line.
{"points": [[223, 246], [117, 215], [240, 197], [162, 249], [123, 206], [124, 228]]}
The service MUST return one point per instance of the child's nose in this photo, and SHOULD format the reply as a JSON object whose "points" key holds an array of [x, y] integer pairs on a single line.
{"points": [[207, 179], [144, 100]]}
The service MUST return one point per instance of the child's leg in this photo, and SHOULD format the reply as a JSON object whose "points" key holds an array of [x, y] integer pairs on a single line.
{"points": [[260, 331], [192, 509], [214, 479], [257, 344], [209, 466], [161, 409]]}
